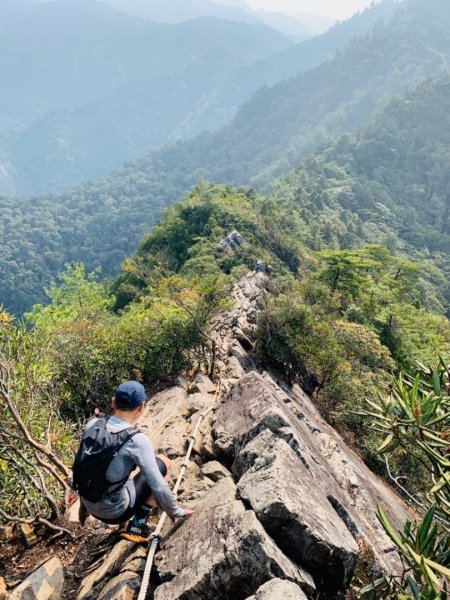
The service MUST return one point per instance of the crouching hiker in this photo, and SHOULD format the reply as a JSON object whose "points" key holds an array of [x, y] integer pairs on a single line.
{"points": [[109, 451]]}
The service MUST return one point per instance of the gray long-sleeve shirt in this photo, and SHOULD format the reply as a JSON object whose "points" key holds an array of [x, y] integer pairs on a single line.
{"points": [[137, 451]]}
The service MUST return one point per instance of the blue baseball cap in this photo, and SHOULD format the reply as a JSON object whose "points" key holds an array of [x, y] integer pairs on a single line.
{"points": [[130, 394]]}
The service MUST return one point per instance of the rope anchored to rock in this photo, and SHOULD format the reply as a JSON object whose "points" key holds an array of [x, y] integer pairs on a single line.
{"points": [[156, 535]]}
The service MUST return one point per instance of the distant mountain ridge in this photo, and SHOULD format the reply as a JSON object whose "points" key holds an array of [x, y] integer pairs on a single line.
{"points": [[84, 135], [280, 126], [175, 11], [315, 22], [377, 186], [86, 87], [312, 52]]}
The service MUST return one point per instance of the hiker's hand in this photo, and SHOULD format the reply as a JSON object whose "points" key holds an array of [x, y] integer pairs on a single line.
{"points": [[188, 514]]}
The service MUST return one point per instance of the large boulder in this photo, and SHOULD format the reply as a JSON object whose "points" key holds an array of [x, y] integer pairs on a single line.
{"points": [[203, 385], [297, 515], [199, 402], [163, 409], [222, 552], [341, 479], [122, 587], [236, 350], [234, 369], [46, 583], [93, 584], [164, 421], [214, 470], [278, 589], [173, 440]]}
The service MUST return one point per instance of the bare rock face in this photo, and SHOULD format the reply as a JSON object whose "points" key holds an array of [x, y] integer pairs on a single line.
{"points": [[93, 584], [173, 439], [237, 351], [44, 584], [333, 487], [203, 385], [121, 587], [164, 408], [297, 515], [165, 421], [3, 593], [234, 369], [203, 443], [215, 471], [222, 552], [278, 589], [199, 402]]}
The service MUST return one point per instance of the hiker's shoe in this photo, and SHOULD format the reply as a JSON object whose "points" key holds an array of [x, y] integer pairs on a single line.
{"points": [[140, 534]]}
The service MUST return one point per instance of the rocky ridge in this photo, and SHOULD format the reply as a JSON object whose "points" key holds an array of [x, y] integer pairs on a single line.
{"points": [[283, 507]]}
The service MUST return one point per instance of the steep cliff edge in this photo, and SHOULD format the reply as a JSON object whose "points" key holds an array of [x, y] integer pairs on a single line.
{"points": [[283, 507]]}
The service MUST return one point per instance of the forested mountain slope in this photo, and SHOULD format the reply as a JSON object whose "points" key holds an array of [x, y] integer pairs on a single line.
{"points": [[350, 192], [86, 87], [312, 52], [389, 184], [278, 127]]}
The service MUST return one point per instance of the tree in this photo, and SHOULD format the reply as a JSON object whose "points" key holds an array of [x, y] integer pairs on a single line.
{"points": [[347, 271], [200, 298]]}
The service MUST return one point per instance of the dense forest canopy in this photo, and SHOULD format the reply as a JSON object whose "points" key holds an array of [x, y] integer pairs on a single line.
{"points": [[388, 184], [402, 202]]}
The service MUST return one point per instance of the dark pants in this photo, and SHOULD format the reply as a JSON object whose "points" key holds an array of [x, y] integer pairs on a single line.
{"points": [[143, 491]]}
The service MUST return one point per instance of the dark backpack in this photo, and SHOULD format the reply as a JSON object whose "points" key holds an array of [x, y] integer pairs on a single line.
{"points": [[96, 451]]}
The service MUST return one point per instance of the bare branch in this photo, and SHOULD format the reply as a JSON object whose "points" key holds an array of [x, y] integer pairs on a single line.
{"points": [[396, 480], [39, 485], [33, 520], [4, 394], [63, 483], [55, 527], [15, 518]]}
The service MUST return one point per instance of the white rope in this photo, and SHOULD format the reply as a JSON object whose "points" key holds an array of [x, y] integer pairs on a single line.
{"points": [[156, 535]]}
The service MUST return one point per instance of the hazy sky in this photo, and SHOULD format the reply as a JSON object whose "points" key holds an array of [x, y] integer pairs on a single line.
{"points": [[337, 9]]}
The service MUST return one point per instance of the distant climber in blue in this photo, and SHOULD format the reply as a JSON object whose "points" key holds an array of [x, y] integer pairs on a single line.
{"points": [[259, 267], [109, 451]]}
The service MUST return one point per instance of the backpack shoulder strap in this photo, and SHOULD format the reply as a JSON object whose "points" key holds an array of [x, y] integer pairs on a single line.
{"points": [[132, 431]]}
